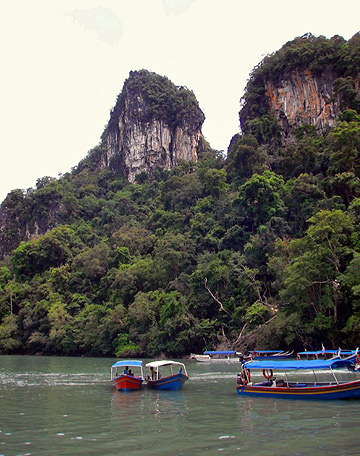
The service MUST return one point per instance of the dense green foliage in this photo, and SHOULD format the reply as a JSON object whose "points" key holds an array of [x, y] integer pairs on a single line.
{"points": [[177, 106], [253, 250]]}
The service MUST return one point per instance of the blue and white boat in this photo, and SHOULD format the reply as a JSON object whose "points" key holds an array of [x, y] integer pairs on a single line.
{"points": [[166, 375], [325, 354], [217, 356], [284, 387], [270, 354]]}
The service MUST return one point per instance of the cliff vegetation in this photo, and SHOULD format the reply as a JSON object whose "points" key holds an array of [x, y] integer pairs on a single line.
{"points": [[258, 249]]}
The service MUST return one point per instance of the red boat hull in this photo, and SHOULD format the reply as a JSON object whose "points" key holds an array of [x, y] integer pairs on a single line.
{"points": [[127, 383]]}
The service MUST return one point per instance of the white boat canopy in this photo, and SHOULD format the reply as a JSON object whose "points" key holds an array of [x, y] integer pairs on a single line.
{"points": [[162, 363]]}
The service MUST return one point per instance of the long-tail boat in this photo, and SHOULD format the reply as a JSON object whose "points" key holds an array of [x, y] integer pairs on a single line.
{"points": [[279, 382]]}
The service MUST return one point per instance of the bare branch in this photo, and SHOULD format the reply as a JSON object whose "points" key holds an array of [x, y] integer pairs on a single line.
{"points": [[215, 297], [223, 333], [241, 334], [270, 320]]}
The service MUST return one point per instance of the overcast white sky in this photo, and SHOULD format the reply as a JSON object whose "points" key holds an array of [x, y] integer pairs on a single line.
{"points": [[65, 61]]}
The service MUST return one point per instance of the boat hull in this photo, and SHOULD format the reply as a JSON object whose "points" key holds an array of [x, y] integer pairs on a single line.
{"points": [[127, 383], [173, 382], [323, 392], [208, 359], [272, 358]]}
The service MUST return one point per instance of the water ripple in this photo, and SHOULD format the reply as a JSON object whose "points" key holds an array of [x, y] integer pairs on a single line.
{"points": [[38, 379]]}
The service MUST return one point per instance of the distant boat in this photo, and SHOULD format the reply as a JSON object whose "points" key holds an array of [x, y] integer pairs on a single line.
{"points": [[222, 356], [166, 375], [123, 378], [285, 388], [270, 354], [325, 354]]}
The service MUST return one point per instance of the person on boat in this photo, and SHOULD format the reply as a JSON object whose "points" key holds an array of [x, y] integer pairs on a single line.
{"points": [[153, 374], [126, 370], [130, 372]]}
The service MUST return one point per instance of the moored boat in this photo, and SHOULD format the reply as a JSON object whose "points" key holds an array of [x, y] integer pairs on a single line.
{"points": [[218, 356], [123, 378], [275, 387], [325, 354], [270, 354], [166, 375]]}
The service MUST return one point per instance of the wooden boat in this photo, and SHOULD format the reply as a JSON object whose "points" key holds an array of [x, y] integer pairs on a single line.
{"points": [[123, 378], [166, 375], [225, 356], [284, 388], [325, 354], [270, 354]]}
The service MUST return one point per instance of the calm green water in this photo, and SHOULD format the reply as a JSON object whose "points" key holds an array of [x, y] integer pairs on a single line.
{"points": [[67, 406]]}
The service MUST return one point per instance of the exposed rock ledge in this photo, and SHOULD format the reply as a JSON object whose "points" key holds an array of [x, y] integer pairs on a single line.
{"points": [[303, 99], [138, 139]]}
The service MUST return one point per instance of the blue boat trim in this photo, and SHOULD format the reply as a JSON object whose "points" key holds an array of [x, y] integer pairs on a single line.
{"points": [[345, 391], [300, 364], [283, 388], [174, 381], [128, 362], [263, 352]]}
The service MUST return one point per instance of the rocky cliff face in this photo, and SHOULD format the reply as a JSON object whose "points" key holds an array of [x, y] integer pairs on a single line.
{"points": [[303, 99], [309, 81], [154, 124], [149, 130]]}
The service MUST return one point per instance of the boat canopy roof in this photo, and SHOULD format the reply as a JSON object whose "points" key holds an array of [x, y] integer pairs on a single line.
{"points": [[128, 362], [223, 352], [163, 363], [266, 351], [319, 352], [298, 364], [330, 352]]}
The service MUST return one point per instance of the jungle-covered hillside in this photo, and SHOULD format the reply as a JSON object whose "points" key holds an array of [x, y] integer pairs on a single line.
{"points": [[255, 248]]}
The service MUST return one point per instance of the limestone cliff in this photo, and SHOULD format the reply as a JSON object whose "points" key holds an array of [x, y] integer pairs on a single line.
{"points": [[153, 125], [303, 99], [307, 82]]}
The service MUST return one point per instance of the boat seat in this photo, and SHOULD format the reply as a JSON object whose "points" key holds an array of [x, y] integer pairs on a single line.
{"points": [[268, 383]]}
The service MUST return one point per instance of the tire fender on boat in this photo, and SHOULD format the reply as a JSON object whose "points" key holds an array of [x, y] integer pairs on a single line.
{"points": [[268, 373], [358, 359]]}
